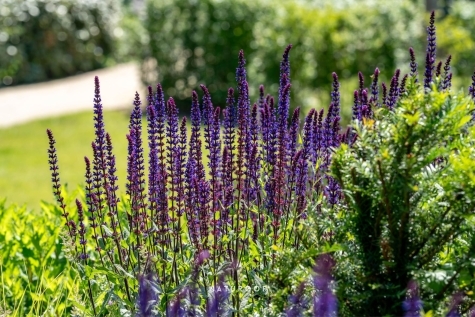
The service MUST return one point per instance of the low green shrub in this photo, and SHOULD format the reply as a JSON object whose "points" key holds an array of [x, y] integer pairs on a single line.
{"points": [[35, 276], [409, 201]]}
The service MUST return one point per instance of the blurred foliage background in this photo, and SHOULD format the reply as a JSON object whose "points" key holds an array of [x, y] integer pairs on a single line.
{"points": [[183, 43], [198, 41], [194, 42], [49, 39]]}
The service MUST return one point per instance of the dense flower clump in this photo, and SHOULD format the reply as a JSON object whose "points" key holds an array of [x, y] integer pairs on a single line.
{"points": [[222, 193]]}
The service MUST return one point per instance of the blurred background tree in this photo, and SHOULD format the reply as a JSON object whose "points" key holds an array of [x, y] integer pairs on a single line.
{"points": [[195, 42], [48, 39], [184, 43]]}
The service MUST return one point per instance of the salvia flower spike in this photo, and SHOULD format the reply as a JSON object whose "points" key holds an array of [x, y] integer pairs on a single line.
{"points": [[54, 168], [147, 294], [413, 64], [374, 99], [412, 305], [430, 52], [298, 303], [454, 306], [471, 89], [335, 94], [324, 302]]}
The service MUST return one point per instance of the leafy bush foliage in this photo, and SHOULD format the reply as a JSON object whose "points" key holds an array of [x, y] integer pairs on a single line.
{"points": [[35, 275], [409, 201], [42, 40]]}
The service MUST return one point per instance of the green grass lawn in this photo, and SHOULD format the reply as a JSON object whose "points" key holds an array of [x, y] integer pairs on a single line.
{"points": [[24, 172]]}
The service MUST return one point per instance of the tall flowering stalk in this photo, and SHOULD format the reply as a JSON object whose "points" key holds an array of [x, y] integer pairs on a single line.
{"points": [[393, 90], [471, 89], [454, 306], [413, 64], [412, 305], [298, 303], [54, 168], [324, 301], [446, 81], [374, 100], [430, 52]]}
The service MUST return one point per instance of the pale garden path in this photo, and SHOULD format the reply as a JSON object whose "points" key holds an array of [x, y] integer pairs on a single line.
{"points": [[25, 103]]}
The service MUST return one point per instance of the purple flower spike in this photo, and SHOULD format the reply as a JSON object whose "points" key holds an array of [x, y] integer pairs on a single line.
{"points": [[99, 149], [413, 64], [231, 109], [384, 88], [82, 231], [366, 110], [215, 159], [174, 164], [153, 175], [428, 72], [412, 305], [241, 70], [431, 38], [217, 304], [302, 165], [374, 89], [147, 295], [332, 191], [284, 88], [285, 69], [471, 89], [402, 87], [293, 134], [298, 304], [324, 302], [335, 94], [438, 69], [136, 160], [447, 77], [252, 157], [430, 52], [360, 82], [98, 117], [262, 98], [160, 105], [176, 309], [356, 106], [283, 109], [454, 307], [394, 90], [202, 189]]}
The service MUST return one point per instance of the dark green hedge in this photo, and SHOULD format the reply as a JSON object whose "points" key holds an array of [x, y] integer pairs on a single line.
{"points": [[46, 39]]}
